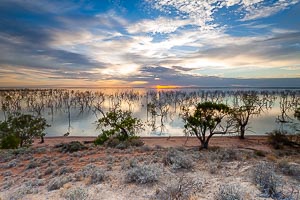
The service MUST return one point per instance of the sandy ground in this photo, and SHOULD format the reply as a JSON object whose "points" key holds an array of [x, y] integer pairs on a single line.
{"points": [[251, 142], [30, 173]]}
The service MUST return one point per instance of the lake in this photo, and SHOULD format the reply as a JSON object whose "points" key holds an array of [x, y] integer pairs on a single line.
{"points": [[75, 110]]}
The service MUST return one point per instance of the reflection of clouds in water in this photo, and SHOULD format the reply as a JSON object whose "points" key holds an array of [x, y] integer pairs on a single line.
{"points": [[83, 124]]}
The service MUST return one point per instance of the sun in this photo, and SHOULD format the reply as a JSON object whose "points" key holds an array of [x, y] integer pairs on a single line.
{"points": [[166, 86]]}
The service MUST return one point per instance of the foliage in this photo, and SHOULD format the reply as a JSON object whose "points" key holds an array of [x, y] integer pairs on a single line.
{"points": [[22, 127], [279, 139], [94, 173], [77, 193], [143, 174], [117, 124], [181, 189], [71, 147], [178, 160], [57, 182], [250, 104], [229, 192], [265, 177], [9, 142], [290, 169], [207, 117]]}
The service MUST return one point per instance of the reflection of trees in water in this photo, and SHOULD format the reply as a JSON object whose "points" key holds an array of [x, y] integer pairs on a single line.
{"points": [[248, 105], [160, 106], [288, 103]]}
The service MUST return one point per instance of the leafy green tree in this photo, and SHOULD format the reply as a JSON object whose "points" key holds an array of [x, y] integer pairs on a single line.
{"points": [[23, 128], [206, 120], [118, 124]]}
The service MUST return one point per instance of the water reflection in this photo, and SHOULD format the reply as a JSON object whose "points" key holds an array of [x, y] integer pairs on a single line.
{"points": [[76, 110]]}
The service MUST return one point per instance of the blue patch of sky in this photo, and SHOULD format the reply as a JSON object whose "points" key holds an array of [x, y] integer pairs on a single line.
{"points": [[187, 49]]}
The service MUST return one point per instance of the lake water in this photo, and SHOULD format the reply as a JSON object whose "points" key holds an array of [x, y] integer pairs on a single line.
{"points": [[74, 110]]}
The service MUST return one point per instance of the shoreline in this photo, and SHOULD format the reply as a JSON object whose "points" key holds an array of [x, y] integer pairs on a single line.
{"points": [[257, 142]]}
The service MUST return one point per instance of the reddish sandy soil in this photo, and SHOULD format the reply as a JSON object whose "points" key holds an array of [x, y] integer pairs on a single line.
{"points": [[229, 161], [251, 142]]}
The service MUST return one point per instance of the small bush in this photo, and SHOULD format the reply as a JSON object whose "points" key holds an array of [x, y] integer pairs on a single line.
{"points": [[229, 192], [181, 189], [10, 142], [224, 155], [292, 170], [265, 177], [77, 193], [49, 170], [61, 162], [259, 153], [178, 160], [129, 164], [112, 142], [57, 183], [63, 170], [71, 147], [96, 175], [32, 164], [11, 164], [279, 139], [135, 142], [101, 139], [142, 174]]}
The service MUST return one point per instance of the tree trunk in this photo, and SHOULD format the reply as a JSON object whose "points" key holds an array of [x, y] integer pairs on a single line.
{"points": [[42, 139], [204, 144], [242, 132]]}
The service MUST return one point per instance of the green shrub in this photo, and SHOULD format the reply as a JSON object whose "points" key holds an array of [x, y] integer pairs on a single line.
{"points": [[21, 129], [10, 142], [101, 139], [117, 124]]}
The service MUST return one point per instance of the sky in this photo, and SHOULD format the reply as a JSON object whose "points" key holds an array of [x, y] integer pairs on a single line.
{"points": [[144, 43]]}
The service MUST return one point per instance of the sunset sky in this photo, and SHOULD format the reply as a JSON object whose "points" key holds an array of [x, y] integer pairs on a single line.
{"points": [[98, 43]]}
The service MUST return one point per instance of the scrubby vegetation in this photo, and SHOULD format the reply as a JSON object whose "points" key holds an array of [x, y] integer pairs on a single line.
{"points": [[124, 169], [265, 177], [182, 188], [178, 160], [117, 126], [229, 192], [279, 139], [20, 129], [70, 147], [159, 173], [142, 174], [207, 118], [77, 193]]}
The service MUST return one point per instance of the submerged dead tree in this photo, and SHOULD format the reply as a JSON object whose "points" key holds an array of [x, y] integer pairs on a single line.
{"points": [[246, 106]]}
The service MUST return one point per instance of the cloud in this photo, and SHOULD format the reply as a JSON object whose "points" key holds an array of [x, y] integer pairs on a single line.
{"points": [[259, 9], [184, 43], [160, 25]]}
